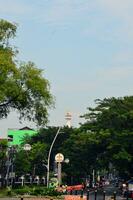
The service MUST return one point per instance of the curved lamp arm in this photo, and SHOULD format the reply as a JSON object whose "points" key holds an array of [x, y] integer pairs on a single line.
{"points": [[49, 154]]}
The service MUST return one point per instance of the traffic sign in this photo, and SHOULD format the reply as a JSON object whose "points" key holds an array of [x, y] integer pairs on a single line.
{"points": [[59, 157]]}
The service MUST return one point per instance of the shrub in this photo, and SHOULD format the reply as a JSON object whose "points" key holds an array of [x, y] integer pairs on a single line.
{"points": [[22, 191], [37, 191]]}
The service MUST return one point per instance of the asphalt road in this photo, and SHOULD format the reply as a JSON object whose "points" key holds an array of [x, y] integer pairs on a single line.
{"points": [[109, 194]]}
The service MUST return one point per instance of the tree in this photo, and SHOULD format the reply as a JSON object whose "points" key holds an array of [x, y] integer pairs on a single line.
{"points": [[22, 85], [31, 162], [3, 157], [111, 121], [37, 157], [46, 136]]}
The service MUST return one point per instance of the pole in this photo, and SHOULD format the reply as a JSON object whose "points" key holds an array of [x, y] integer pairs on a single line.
{"points": [[104, 193], [114, 195], [93, 178], [59, 174], [49, 154], [7, 173], [8, 166], [12, 176], [88, 194], [82, 194], [95, 194]]}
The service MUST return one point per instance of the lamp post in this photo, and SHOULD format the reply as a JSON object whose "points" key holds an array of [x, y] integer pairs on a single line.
{"points": [[59, 158], [27, 147], [49, 154]]}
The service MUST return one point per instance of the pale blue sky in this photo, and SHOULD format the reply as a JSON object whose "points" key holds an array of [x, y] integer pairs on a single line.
{"points": [[84, 46]]}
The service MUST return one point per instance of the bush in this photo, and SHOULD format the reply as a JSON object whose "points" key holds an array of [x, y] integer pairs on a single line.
{"points": [[37, 191], [51, 192], [22, 191]]}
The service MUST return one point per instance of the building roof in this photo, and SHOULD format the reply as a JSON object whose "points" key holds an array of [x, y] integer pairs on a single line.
{"points": [[26, 128]]}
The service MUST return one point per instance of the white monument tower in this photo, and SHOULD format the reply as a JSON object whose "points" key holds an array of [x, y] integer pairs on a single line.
{"points": [[68, 118]]}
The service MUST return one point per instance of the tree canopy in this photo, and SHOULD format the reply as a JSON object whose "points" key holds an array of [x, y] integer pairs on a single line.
{"points": [[111, 123], [23, 86], [103, 142]]}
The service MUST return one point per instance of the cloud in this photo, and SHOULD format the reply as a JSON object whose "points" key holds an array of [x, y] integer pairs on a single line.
{"points": [[119, 8], [14, 7], [116, 75], [52, 12], [63, 11], [67, 11], [76, 87], [123, 58]]}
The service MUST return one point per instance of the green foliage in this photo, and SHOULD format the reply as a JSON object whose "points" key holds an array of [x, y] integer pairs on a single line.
{"points": [[31, 161], [7, 31], [22, 163], [3, 156], [106, 137], [22, 86], [35, 191], [4, 192], [111, 121], [36, 158]]}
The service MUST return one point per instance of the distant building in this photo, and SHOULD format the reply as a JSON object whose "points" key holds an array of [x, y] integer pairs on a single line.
{"points": [[68, 118], [15, 136]]}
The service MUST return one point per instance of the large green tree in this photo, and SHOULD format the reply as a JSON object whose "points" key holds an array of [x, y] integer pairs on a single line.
{"points": [[23, 86], [111, 122]]}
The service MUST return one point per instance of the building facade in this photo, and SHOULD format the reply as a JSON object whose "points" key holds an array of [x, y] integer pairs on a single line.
{"points": [[16, 136]]}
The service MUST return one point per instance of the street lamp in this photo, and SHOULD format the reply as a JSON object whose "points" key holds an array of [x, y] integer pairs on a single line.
{"points": [[59, 158], [27, 147], [49, 154]]}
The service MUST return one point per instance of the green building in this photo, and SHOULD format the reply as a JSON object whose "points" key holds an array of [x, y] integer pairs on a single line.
{"points": [[15, 136]]}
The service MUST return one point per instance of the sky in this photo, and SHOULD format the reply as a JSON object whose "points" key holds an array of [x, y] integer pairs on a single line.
{"points": [[84, 46]]}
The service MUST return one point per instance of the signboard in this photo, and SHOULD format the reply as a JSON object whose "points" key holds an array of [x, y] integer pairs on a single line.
{"points": [[59, 157]]}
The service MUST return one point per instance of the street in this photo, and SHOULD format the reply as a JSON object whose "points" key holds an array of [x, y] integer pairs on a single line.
{"points": [[109, 190]]}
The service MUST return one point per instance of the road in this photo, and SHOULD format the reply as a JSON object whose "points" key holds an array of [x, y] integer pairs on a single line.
{"points": [[109, 192]]}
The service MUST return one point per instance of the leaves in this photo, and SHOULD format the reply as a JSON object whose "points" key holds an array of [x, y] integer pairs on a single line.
{"points": [[7, 31], [22, 86], [111, 121]]}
